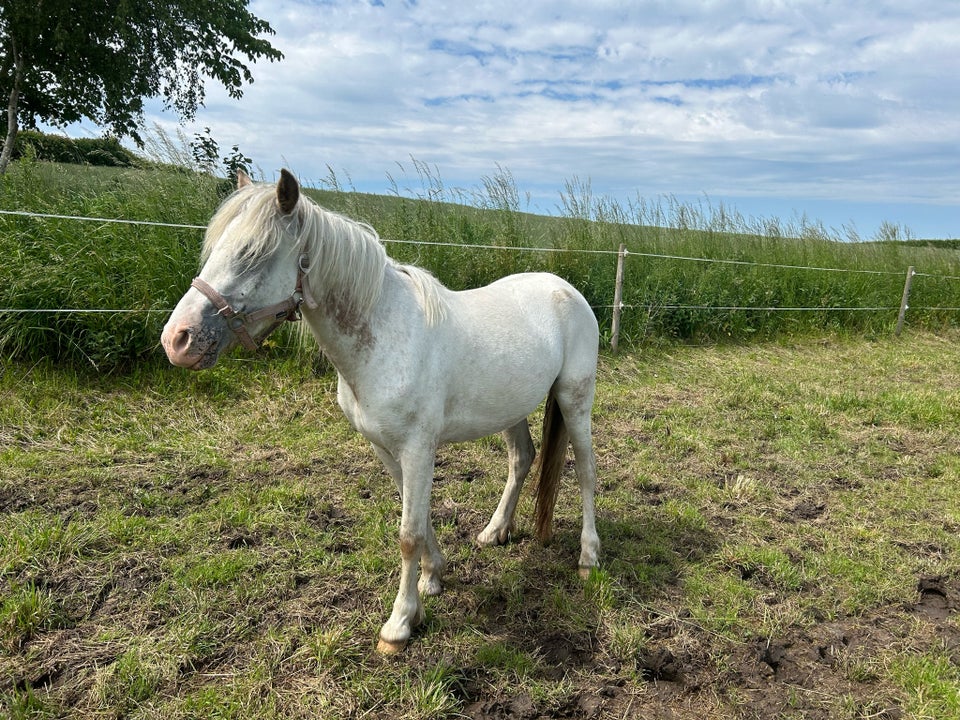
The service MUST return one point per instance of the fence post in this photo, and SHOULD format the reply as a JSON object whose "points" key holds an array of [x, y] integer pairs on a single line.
{"points": [[905, 300], [617, 300]]}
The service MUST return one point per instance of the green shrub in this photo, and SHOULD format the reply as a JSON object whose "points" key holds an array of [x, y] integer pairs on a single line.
{"points": [[105, 151]]}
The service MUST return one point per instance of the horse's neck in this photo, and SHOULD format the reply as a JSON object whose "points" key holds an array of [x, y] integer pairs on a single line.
{"points": [[349, 339]]}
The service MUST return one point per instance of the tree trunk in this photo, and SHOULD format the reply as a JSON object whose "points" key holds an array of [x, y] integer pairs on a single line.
{"points": [[14, 100]]}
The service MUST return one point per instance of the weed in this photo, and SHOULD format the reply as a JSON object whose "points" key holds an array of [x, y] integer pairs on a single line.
{"points": [[432, 693], [931, 681], [25, 611], [26, 704]]}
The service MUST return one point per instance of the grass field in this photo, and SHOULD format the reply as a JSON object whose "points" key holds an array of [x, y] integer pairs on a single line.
{"points": [[695, 272], [781, 529]]}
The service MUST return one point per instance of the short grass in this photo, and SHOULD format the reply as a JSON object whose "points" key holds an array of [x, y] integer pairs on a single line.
{"points": [[781, 529]]}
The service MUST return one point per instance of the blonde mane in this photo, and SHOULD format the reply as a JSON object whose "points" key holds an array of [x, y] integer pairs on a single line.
{"points": [[346, 257]]}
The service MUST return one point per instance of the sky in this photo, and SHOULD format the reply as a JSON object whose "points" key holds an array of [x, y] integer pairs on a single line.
{"points": [[847, 112]]}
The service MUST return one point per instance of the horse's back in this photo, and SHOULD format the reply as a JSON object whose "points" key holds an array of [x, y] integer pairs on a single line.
{"points": [[539, 316], [541, 293], [550, 305]]}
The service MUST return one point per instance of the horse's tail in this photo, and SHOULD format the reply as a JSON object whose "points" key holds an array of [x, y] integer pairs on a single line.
{"points": [[553, 453]]}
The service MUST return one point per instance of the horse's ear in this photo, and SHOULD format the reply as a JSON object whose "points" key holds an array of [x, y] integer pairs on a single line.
{"points": [[243, 179], [288, 192]]}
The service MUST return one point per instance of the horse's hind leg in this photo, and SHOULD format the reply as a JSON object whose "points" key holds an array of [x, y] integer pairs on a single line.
{"points": [[520, 453], [576, 403], [392, 466]]}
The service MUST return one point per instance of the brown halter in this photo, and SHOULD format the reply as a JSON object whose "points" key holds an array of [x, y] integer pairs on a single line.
{"points": [[287, 310]]}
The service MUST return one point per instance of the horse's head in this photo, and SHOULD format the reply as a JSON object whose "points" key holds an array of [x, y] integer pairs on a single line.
{"points": [[251, 276]]}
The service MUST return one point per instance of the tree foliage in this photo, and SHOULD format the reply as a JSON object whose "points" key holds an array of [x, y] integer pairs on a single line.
{"points": [[65, 60]]}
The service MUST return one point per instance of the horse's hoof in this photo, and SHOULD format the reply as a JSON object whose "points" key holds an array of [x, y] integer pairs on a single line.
{"points": [[584, 571], [490, 538], [430, 588], [386, 647]]}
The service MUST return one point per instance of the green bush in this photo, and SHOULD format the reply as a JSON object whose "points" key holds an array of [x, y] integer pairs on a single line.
{"points": [[105, 151]]}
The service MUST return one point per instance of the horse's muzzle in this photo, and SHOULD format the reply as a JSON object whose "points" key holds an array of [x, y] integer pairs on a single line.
{"points": [[190, 347]]}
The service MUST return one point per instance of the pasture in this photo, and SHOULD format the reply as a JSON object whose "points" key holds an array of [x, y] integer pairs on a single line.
{"points": [[780, 525]]}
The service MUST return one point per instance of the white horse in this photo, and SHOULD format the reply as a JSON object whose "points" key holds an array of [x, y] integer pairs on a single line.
{"points": [[419, 365]]}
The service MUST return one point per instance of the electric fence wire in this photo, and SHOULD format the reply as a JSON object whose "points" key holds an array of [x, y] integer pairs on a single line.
{"points": [[649, 307]]}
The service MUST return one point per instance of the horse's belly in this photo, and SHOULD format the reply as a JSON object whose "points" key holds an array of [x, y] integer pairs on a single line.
{"points": [[475, 407], [464, 427]]}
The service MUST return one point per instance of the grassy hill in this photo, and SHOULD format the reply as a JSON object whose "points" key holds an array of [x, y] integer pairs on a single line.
{"points": [[693, 273]]}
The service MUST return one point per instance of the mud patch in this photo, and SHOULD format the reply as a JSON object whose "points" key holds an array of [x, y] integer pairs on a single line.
{"points": [[658, 664], [807, 509], [938, 600], [564, 651]]}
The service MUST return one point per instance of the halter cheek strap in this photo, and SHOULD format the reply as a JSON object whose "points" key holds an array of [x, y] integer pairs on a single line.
{"points": [[236, 321], [281, 312]]}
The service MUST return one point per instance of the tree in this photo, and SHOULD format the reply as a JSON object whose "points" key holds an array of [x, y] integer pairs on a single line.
{"points": [[64, 60]]}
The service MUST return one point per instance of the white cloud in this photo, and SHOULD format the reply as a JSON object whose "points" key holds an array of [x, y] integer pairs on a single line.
{"points": [[855, 102]]}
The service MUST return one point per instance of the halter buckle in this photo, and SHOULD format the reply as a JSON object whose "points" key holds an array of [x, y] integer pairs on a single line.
{"points": [[236, 321]]}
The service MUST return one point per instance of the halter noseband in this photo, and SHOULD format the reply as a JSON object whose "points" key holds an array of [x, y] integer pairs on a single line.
{"points": [[287, 310]]}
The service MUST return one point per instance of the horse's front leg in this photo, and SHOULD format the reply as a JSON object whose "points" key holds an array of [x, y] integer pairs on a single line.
{"points": [[432, 562], [417, 541]]}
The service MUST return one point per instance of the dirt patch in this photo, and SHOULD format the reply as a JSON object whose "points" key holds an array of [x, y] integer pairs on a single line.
{"points": [[807, 509], [685, 672], [524, 707], [939, 600]]}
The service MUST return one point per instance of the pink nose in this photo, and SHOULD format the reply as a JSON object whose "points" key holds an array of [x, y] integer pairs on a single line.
{"points": [[179, 342]]}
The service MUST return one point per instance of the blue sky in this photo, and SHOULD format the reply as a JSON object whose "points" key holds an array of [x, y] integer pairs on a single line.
{"points": [[848, 113]]}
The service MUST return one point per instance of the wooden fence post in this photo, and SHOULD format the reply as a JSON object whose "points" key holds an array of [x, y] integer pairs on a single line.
{"points": [[617, 300], [905, 300]]}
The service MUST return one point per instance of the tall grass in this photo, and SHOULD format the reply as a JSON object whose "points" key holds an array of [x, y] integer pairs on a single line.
{"points": [[694, 271], [467, 238], [59, 264]]}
